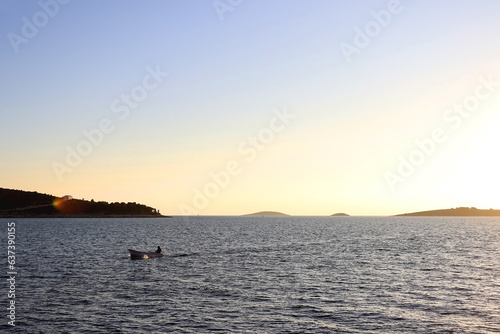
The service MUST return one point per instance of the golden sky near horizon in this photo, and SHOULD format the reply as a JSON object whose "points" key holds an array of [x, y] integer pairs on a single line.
{"points": [[265, 107]]}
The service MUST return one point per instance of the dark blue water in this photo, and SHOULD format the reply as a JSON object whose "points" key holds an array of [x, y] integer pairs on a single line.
{"points": [[257, 275]]}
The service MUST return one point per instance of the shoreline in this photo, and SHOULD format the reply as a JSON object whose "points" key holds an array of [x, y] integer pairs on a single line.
{"points": [[82, 216]]}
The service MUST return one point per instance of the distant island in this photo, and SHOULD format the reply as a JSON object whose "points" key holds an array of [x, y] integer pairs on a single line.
{"points": [[340, 214], [462, 211], [19, 203], [267, 214]]}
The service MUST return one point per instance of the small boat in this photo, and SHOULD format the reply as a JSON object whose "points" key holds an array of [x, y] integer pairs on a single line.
{"points": [[144, 255]]}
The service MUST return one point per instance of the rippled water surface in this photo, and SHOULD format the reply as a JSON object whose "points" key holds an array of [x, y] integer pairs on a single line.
{"points": [[257, 275]]}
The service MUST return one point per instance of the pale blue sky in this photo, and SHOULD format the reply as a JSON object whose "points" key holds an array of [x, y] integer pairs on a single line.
{"points": [[353, 119]]}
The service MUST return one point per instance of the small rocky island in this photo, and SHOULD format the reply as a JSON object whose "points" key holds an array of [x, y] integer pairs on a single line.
{"points": [[19, 203], [340, 214], [267, 214]]}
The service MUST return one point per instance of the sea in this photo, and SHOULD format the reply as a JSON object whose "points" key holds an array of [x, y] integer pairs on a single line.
{"points": [[253, 275]]}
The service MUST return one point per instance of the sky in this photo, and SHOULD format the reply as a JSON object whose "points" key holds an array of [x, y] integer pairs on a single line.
{"points": [[229, 107]]}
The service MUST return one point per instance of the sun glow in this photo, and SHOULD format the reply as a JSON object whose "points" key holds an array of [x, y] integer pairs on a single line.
{"points": [[67, 204]]}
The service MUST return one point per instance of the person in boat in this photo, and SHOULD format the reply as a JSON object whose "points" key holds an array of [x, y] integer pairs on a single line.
{"points": [[158, 250]]}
